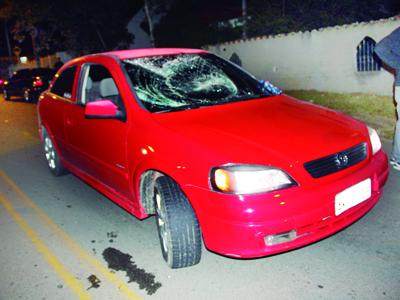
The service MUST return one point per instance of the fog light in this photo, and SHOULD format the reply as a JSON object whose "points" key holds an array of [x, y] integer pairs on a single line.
{"points": [[284, 237]]}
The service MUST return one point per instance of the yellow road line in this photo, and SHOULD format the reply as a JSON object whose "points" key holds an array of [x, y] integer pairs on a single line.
{"points": [[58, 267], [81, 253]]}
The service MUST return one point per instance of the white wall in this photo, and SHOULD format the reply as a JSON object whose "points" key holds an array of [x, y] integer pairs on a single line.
{"points": [[323, 59]]}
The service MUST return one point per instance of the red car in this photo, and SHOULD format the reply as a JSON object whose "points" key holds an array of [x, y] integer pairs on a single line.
{"points": [[215, 154]]}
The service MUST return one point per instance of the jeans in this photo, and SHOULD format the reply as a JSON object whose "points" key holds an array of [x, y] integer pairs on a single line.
{"points": [[396, 141]]}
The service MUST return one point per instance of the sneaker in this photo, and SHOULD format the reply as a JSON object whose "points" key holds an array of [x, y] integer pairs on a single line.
{"points": [[395, 165]]}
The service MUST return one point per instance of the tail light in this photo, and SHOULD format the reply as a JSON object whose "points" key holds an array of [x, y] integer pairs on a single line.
{"points": [[38, 81]]}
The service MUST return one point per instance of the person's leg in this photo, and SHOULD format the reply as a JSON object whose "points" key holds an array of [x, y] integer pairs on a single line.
{"points": [[396, 141]]}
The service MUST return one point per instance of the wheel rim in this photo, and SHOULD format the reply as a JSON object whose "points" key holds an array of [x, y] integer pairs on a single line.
{"points": [[50, 152], [161, 222], [26, 95]]}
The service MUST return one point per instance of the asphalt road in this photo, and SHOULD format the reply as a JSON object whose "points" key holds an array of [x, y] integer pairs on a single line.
{"points": [[60, 239]]}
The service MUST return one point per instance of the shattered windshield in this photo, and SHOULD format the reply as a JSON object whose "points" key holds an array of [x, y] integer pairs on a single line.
{"points": [[185, 81]]}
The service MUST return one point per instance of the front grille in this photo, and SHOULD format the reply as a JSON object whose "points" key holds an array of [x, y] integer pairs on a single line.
{"points": [[336, 162]]}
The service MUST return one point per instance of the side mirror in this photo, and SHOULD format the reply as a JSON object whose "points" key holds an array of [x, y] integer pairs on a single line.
{"points": [[102, 109]]}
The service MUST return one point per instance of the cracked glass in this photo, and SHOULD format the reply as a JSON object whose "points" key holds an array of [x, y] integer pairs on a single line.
{"points": [[187, 81]]}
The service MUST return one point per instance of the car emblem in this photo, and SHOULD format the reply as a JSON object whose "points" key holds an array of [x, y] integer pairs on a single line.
{"points": [[341, 160]]}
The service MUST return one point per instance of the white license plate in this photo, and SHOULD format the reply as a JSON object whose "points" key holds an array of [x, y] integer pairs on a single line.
{"points": [[352, 196]]}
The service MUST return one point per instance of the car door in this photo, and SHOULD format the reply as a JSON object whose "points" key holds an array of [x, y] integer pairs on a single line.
{"points": [[18, 82], [60, 97], [98, 146]]}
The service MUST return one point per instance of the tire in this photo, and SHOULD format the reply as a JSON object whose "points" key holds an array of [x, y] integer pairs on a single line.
{"points": [[27, 95], [52, 157], [178, 227], [6, 95]]}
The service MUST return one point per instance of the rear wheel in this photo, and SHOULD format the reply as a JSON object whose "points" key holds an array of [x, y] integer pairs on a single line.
{"points": [[52, 157], [177, 225], [27, 95], [6, 95]]}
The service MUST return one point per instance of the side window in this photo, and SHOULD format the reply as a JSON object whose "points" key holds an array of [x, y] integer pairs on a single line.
{"points": [[16, 75], [21, 74], [64, 83], [98, 84]]}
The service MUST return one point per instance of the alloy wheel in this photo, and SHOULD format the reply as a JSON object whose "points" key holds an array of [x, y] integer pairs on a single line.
{"points": [[50, 152], [27, 95], [161, 221]]}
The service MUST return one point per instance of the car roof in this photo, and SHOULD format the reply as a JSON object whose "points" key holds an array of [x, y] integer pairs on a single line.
{"points": [[144, 52], [35, 71]]}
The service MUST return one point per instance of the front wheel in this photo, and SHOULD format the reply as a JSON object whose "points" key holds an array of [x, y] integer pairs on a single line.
{"points": [[52, 157], [177, 225]]}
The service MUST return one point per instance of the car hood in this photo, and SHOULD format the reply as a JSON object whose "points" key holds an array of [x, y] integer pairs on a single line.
{"points": [[278, 130]]}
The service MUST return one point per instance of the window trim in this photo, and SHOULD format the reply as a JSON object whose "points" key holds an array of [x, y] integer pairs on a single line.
{"points": [[81, 80], [80, 84], [73, 90]]}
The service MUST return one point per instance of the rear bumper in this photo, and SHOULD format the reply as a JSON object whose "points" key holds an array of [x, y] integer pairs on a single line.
{"points": [[237, 225], [19, 91]]}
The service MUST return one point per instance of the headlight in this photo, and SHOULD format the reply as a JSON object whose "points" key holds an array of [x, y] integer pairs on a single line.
{"points": [[249, 179], [375, 140]]}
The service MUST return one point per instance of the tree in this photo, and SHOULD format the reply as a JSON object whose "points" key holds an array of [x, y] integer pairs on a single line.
{"points": [[149, 22], [154, 10], [76, 26], [4, 12], [25, 26], [191, 23], [100, 27], [280, 16]]}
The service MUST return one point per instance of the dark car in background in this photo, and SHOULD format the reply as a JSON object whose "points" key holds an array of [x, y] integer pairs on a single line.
{"points": [[2, 81], [28, 83]]}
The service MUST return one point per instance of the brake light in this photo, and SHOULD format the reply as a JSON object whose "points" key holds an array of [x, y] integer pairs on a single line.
{"points": [[38, 82], [1, 81]]}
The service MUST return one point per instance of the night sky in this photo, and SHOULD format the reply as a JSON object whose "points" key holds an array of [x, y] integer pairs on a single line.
{"points": [[207, 12]]}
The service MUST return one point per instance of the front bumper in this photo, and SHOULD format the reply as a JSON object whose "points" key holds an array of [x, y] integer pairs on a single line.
{"points": [[237, 226]]}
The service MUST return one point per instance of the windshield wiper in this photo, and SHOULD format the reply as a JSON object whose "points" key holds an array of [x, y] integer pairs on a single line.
{"points": [[205, 104], [242, 98], [191, 106], [179, 108]]}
